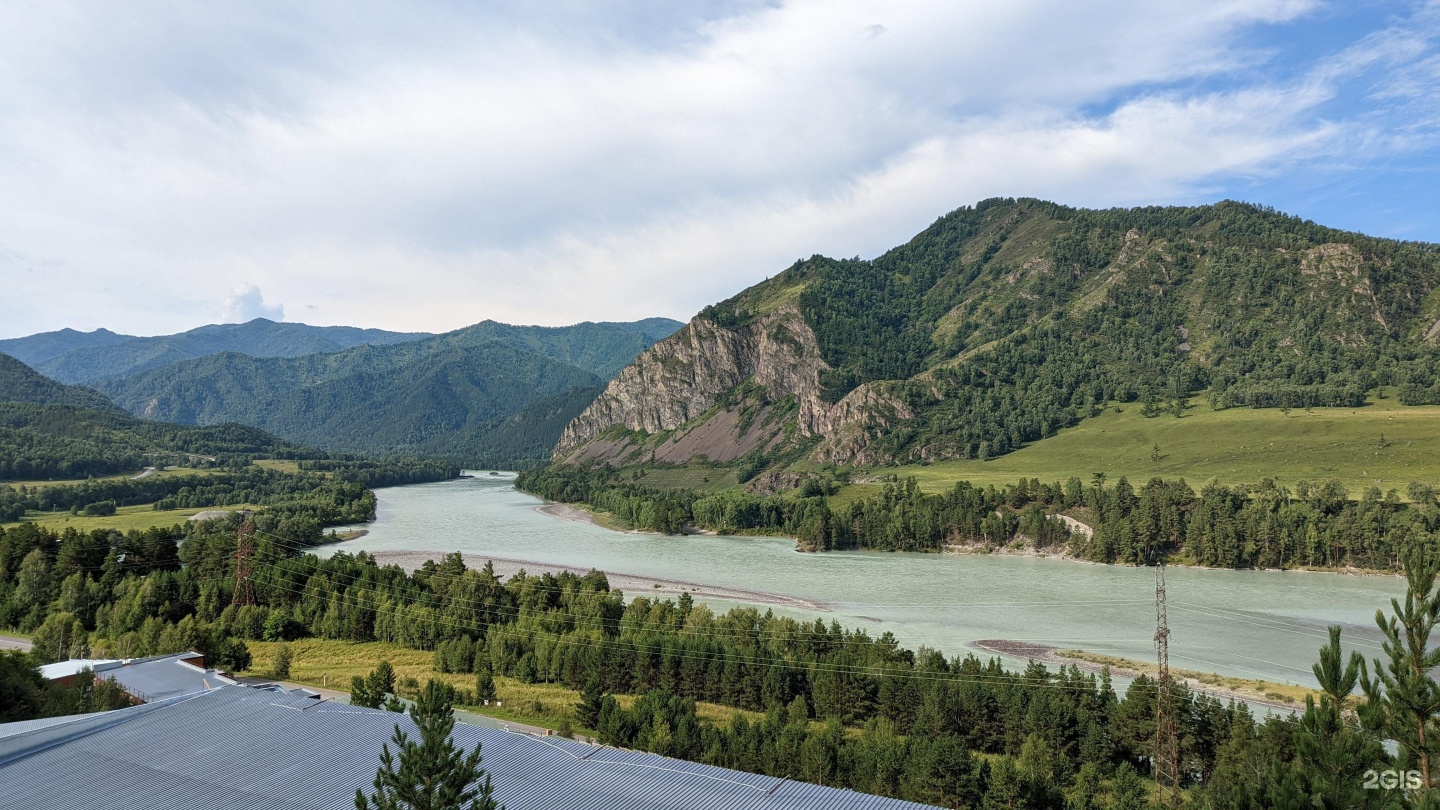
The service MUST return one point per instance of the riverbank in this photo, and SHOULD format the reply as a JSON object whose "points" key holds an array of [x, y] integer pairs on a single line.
{"points": [[631, 584], [1281, 697]]}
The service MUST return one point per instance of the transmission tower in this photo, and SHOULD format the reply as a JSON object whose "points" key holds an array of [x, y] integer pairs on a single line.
{"points": [[1167, 745], [244, 566]]}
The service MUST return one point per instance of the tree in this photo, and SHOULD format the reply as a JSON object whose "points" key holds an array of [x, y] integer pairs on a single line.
{"points": [[1402, 699], [1333, 751], [432, 773], [587, 711], [283, 657], [484, 683], [370, 691]]}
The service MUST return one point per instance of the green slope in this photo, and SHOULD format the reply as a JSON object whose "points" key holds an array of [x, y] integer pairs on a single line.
{"points": [[1003, 323], [456, 394], [1384, 445], [20, 383]]}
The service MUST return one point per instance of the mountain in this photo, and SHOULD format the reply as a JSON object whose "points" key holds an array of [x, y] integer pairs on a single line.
{"points": [[455, 394], [1004, 322], [20, 383], [86, 357], [45, 346]]}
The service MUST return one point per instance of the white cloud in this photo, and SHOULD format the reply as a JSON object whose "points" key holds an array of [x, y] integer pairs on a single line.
{"points": [[416, 167], [245, 303]]}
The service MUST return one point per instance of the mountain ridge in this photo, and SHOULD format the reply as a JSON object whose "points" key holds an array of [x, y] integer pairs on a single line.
{"points": [[1003, 322], [452, 394]]}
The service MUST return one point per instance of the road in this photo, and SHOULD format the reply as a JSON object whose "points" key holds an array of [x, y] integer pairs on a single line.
{"points": [[13, 643], [145, 473]]}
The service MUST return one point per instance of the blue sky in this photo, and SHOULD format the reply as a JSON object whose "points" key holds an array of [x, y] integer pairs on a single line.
{"points": [[423, 166]]}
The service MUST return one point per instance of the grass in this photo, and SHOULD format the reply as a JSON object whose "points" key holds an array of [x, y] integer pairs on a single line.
{"points": [[167, 472], [698, 479], [1234, 446], [330, 663], [125, 518], [1284, 693], [278, 464]]}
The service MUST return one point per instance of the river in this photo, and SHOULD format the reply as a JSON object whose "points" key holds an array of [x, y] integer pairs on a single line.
{"points": [[1252, 624]]}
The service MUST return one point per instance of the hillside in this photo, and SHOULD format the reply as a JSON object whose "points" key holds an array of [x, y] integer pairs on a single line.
{"points": [[453, 394], [20, 383], [1005, 322]]}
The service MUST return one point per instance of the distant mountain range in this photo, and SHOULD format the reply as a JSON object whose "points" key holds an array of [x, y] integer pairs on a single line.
{"points": [[85, 357], [491, 394]]}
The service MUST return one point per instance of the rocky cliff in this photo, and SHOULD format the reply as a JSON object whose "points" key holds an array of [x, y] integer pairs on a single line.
{"points": [[687, 382]]}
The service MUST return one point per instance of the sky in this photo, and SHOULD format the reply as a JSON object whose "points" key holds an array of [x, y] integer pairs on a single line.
{"points": [[422, 166]]}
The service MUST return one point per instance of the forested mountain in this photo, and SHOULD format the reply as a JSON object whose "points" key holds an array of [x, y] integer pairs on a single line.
{"points": [[38, 348], [84, 357], [454, 394], [20, 383], [1004, 322]]}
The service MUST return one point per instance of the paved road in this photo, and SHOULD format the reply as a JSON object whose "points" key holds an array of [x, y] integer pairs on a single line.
{"points": [[13, 643]]}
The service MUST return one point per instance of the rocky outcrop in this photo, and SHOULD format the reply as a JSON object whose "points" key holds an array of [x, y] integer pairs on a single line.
{"points": [[681, 378]]}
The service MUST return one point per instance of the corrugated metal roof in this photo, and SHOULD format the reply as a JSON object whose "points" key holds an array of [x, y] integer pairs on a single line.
{"points": [[270, 750], [162, 677]]}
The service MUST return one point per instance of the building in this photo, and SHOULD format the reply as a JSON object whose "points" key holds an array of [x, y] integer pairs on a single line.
{"points": [[147, 679], [254, 748]]}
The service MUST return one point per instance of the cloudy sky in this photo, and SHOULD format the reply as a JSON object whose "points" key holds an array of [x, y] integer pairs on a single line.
{"points": [[423, 166]]}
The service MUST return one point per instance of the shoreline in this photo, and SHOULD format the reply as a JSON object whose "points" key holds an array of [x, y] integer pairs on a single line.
{"points": [[632, 585], [1054, 655]]}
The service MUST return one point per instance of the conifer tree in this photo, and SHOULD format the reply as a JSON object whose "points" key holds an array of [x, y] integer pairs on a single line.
{"points": [[1334, 752], [587, 711], [1402, 699], [431, 773]]}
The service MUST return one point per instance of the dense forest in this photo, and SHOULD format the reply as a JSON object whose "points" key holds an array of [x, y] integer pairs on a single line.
{"points": [[1259, 526], [1007, 321], [839, 707], [487, 395]]}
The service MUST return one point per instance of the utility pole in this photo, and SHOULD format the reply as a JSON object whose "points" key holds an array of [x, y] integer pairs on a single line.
{"points": [[1167, 744], [244, 566]]}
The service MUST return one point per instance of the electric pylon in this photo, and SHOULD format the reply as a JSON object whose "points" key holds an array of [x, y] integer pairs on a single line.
{"points": [[1167, 745], [244, 568]]}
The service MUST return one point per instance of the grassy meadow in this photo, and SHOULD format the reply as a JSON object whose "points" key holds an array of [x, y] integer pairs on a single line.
{"points": [[125, 518], [332, 663], [1385, 445]]}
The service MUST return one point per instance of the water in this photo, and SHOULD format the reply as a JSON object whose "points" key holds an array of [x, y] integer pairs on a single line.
{"points": [[1252, 624]]}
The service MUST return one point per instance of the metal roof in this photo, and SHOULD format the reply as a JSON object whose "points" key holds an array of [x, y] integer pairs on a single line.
{"points": [[263, 749], [64, 669], [162, 677]]}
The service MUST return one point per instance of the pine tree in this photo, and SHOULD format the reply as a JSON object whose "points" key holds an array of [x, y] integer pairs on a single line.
{"points": [[1333, 751], [587, 711], [1402, 700], [484, 683], [431, 774]]}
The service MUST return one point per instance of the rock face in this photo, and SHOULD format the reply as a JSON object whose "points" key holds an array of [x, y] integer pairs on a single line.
{"points": [[682, 378]]}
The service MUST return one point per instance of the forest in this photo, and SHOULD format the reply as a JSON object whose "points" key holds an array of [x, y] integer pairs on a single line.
{"points": [[1004, 322], [836, 705], [1250, 526]]}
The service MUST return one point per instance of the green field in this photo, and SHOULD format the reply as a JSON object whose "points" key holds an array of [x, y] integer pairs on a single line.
{"points": [[1237, 445], [125, 518]]}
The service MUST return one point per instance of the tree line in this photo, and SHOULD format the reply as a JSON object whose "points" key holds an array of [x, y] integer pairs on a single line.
{"points": [[1244, 526]]}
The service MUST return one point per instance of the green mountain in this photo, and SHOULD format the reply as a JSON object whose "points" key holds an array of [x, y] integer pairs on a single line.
{"points": [[39, 348], [20, 383], [1004, 322], [85, 357], [455, 394]]}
